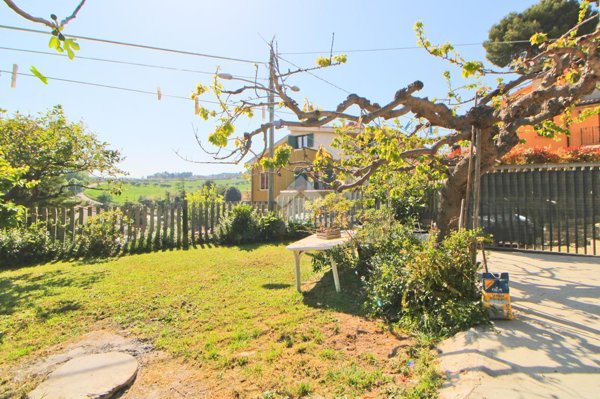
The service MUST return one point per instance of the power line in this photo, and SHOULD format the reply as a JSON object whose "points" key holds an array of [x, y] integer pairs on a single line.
{"points": [[372, 50], [110, 87], [316, 76], [122, 62], [142, 46]]}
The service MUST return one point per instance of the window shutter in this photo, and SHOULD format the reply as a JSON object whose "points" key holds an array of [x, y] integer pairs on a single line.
{"points": [[310, 140], [293, 141]]}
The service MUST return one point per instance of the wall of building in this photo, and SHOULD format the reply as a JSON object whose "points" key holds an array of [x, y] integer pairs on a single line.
{"points": [[590, 126], [284, 179], [324, 139]]}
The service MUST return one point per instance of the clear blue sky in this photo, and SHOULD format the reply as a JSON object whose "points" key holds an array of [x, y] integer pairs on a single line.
{"points": [[147, 131]]}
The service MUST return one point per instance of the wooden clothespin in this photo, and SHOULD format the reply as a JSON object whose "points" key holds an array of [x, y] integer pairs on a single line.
{"points": [[158, 93], [13, 79]]}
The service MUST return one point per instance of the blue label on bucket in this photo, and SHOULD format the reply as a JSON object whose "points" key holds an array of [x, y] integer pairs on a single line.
{"points": [[496, 283]]}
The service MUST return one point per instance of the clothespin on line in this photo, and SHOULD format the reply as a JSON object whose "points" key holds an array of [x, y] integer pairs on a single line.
{"points": [[13, 78], [158, 93]]}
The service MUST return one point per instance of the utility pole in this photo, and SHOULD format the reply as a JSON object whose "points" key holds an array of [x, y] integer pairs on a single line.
{"points": [[477, 177], [477, 180], [271, 101]]}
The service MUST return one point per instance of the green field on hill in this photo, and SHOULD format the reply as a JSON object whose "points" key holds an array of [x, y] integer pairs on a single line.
{"points": [[156, 189]]}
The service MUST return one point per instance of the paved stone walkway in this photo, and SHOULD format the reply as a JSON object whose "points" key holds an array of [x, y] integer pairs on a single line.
{"points": [[550, 350], [96, 376]]}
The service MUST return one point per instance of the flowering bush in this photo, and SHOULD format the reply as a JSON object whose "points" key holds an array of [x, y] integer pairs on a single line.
{"points": [[540, 155]]}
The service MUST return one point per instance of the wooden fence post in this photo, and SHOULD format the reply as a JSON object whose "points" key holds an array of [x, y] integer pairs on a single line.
{"points": [[172, 226], [149, 242], [178, 226], [206, 237], [157, 238], [194, 229], [185, 226]]}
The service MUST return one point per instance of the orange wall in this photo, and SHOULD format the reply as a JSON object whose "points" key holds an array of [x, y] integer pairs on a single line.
{"points": [[560, 141]]}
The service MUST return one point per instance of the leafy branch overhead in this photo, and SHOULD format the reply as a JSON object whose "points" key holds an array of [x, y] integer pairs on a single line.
{"points": [[58, 41]]}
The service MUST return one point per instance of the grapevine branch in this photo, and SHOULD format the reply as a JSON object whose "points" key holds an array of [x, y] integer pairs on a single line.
{"points": [[550, 95], [51, 24]]}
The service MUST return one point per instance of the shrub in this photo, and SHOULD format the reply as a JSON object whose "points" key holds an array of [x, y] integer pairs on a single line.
{"points": [[207, 194], [271, 227], [241, 226], [427, 286], [541, 155], [232, 194], [25, 245], [342, 255], [584, 154], [100, 237], [297, 229]]}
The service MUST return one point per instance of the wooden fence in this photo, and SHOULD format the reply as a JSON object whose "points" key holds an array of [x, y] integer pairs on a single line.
{"points": [[154, 227], [176, 225], [553, 208]]}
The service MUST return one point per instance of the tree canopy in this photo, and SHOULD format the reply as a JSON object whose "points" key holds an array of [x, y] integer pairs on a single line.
{"points": [[553, 17], [232, 194], [50, 155]]}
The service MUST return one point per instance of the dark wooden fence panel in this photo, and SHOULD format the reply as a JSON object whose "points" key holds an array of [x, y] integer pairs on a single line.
{"points": [[554, 208], [156, 227]]}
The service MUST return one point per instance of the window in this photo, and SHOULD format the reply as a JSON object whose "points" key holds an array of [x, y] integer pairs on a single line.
{"points": [[304, 141], [264, 181]]}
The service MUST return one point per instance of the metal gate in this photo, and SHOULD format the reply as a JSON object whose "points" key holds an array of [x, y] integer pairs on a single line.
{"points": [[543, 207]]}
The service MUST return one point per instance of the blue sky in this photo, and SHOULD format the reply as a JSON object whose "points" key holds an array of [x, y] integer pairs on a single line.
{"points": [[148, 131]]}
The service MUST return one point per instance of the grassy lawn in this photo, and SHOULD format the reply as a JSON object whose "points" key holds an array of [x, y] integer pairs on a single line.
{"points": [[155, 189], [232, 313]]}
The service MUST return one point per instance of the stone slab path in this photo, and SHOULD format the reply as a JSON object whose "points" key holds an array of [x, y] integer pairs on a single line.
{"points": [[90, 376], [550, 350]]}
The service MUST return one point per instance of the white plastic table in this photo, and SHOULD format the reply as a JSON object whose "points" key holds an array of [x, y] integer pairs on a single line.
{"points": [[314, 243]]}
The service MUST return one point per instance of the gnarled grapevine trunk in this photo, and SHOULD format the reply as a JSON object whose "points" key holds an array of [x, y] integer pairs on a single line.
{"points": [[493, 146]]}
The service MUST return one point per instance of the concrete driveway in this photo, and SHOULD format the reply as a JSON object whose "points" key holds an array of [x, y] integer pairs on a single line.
{"points": [[552, 347]]}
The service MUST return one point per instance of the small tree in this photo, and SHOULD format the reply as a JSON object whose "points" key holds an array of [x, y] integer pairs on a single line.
{"points": [[207, 194], [209, 183], [553, 17], [52, 154], [233, 194]]}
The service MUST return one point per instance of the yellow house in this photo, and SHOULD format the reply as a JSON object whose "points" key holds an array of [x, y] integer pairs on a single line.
{"points": [[305, 143]]}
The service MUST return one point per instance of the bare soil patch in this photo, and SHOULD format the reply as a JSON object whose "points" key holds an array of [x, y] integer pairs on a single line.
{"points": [[163, 376]]}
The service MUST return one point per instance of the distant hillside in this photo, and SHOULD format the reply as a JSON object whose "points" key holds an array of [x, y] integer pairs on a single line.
{"points": [[191, 176], [134, 190]]}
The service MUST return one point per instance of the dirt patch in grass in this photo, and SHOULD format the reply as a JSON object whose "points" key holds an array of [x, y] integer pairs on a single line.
{"points": [[359, 335], [304, 356], [163, 376]]}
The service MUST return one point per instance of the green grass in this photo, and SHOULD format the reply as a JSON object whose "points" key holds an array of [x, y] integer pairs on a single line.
{"points": [[155, 189], [210, 307]]}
